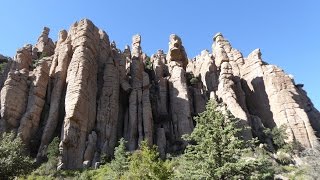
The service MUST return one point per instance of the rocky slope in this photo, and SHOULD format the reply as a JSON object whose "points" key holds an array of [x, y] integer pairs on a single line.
{"points": [[88, 92]]}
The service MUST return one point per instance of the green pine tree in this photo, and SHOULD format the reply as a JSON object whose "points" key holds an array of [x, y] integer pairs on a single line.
{"points": [[121, 160], [215, 150]]}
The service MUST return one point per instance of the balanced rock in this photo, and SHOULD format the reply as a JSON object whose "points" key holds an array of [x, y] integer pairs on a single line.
{"points": [[45, 45], [178, 90]]}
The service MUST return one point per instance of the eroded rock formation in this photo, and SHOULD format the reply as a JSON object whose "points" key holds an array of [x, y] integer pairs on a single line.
{"points": [[89, 93], [29, 122], [140, 115], [178, 89]]}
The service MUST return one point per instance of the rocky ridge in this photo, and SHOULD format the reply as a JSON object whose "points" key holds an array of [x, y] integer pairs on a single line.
{"points": [[88, 92]]}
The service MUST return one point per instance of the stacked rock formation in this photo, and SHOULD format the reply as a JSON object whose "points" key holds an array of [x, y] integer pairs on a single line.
{"points": [[178, 89], [140, 114], [90, 94]]}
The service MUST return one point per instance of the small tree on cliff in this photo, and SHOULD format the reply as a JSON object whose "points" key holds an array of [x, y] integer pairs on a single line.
{"points": [[216, 152]]}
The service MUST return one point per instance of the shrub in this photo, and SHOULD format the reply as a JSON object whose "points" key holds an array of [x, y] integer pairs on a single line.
{"points": [[2, 67], [284, 158], [148, 64], [279, 137], [13, 161], [146, 164], [48, 169], [53, 148], [194, 81]]}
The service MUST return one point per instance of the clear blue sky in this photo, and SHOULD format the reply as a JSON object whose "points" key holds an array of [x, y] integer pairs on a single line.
{"points": [[287, 31]]}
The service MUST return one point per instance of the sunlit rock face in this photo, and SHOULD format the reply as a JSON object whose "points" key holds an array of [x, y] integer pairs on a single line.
{"points": [[90, 93]]}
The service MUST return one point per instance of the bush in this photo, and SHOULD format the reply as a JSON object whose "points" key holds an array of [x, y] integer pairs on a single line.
{"points": [[48, 169], [53, 148], [2, 67], [148, 64], [284, 158], [194, 81], [13, 161], [279, 137], [146, 164]]}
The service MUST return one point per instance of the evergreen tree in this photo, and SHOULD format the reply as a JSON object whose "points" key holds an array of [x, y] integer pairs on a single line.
{"points": [[121, 160], [215, 150]]}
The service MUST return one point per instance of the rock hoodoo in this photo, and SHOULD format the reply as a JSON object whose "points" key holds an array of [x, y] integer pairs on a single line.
{"points": [[90, 94]]}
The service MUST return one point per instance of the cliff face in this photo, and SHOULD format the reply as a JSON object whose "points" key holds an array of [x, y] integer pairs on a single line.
{"points": [[85, 90]]}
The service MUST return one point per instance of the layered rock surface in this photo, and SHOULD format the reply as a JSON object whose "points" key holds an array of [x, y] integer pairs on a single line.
{"points": [[90, 94]]}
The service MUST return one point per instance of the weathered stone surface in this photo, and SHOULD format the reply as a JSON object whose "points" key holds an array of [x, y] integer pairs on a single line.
{"points": [[271, 95], [147, 131], [178, 90], [30, 120], [226, 91], [312, 112], [5, 71], [286, 109], [198, 98], [229, 88], [219, 51], [203, 67], [161, 142], [90, 149], [45, 45], [161, 82], [254, 87], [108, 105], [80, 104], [14, 97], [177, 52], [127, 57], [56, 88], [140, 114], [23, 58]]}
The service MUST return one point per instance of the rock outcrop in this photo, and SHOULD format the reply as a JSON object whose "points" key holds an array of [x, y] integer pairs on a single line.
{"points": [[23, 58], [228, 88], [272, 96], [44, 46], [108, 103], [29, 122], [14, 96], [178, 90], [81, 90], [90, 94], [140, 114], [56, 89]]}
